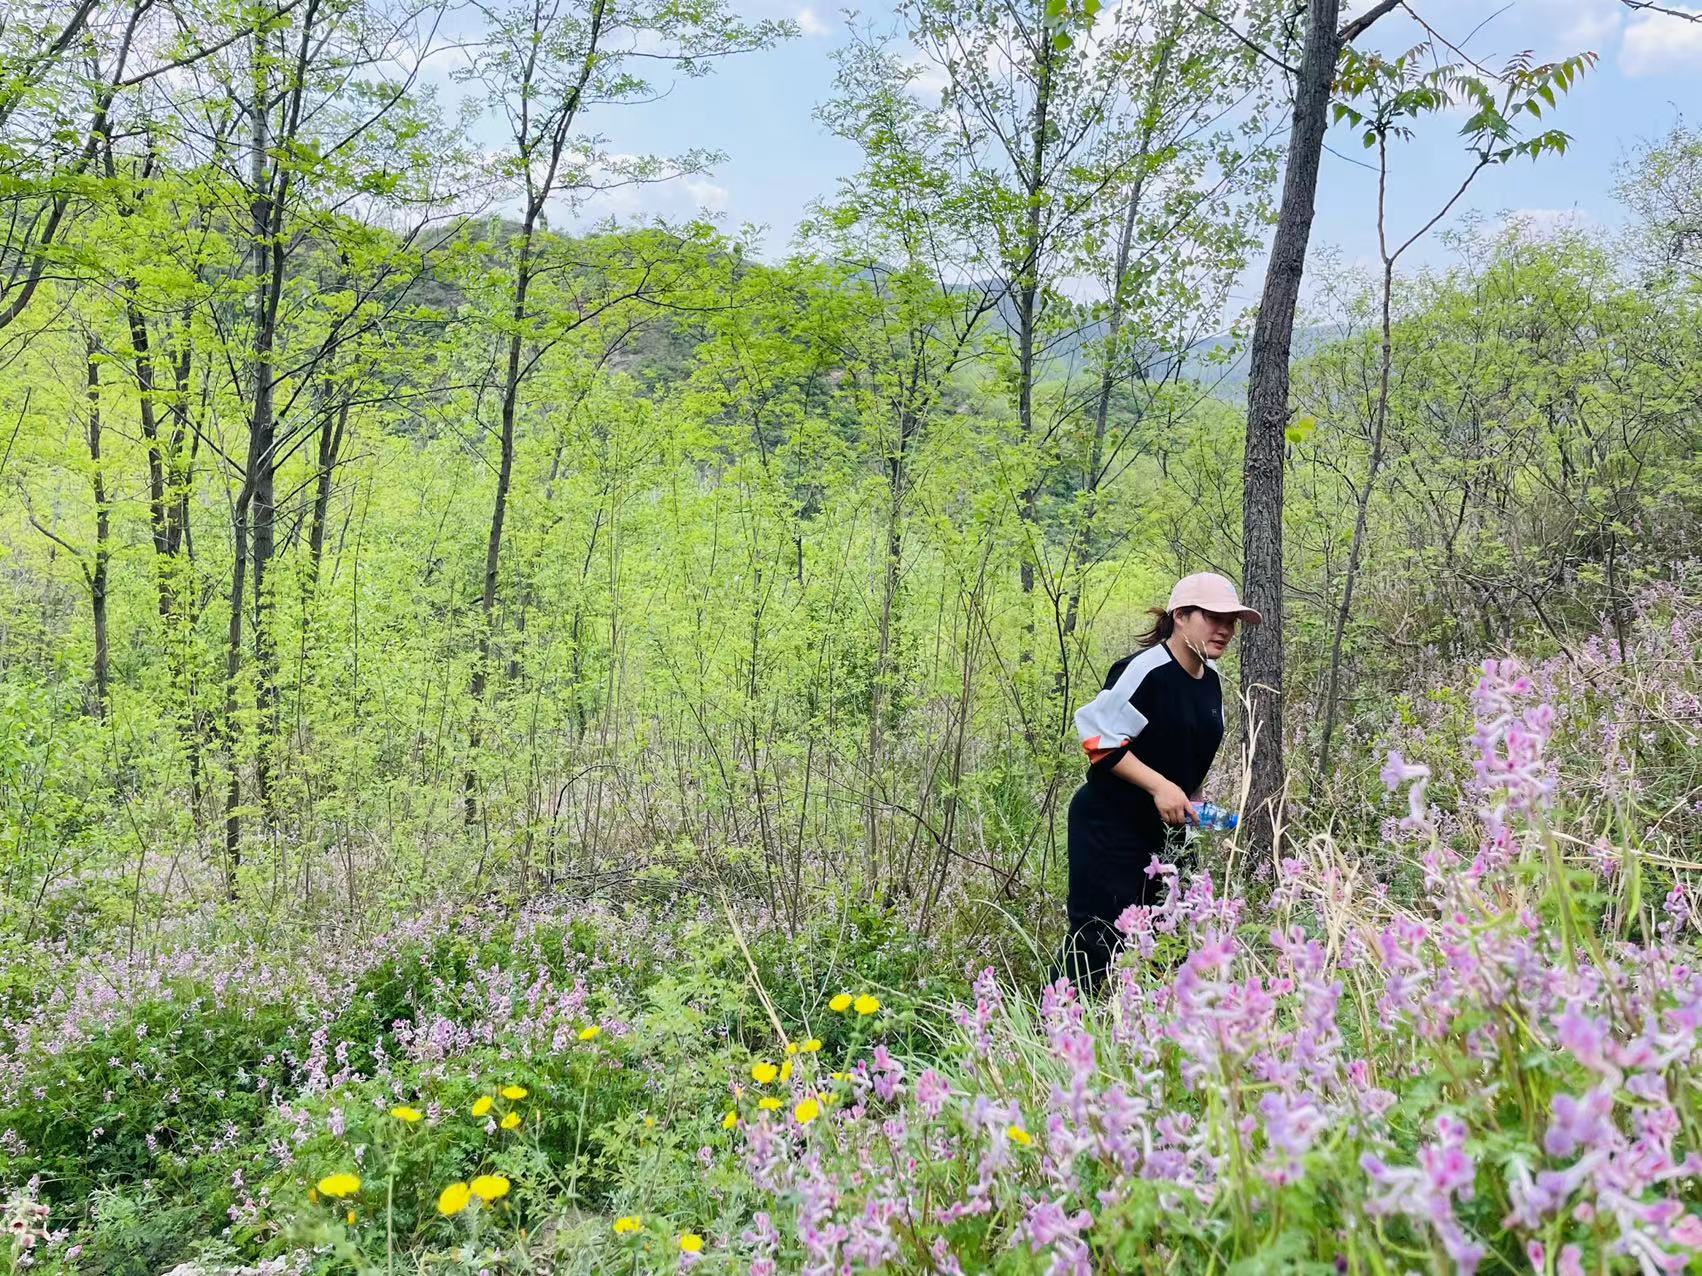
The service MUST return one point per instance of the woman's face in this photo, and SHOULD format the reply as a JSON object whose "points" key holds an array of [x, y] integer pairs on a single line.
{"points": [[1207, 632]]}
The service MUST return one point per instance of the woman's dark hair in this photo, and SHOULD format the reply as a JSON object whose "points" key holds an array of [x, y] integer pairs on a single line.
{"points": [[1163, 625]]}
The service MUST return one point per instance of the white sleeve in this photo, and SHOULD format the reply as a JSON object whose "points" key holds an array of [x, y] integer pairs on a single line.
{"points": [[1109, 720]]}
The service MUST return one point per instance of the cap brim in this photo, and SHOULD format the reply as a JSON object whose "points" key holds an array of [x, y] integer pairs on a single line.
{"points": [[1250, 617]]}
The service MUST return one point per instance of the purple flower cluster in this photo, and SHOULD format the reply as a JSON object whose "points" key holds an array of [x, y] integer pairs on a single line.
{"points": [[1475, 1071]]}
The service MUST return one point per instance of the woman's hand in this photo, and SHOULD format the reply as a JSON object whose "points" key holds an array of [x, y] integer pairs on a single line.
{"points": [[1167, 795], [1172, 803]]}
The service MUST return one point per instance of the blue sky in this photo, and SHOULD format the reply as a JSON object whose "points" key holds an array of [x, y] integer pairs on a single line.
{"points": [[759, 111]]}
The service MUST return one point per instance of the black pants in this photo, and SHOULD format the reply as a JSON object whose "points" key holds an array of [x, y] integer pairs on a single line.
{"points": [[1086, 953], [1108, 862]]}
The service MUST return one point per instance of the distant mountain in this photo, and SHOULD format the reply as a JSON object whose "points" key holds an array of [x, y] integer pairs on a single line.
{"points": [[1218, 362], [1221, 361]]}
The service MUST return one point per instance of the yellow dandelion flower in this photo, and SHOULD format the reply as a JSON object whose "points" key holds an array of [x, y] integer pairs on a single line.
{"points": [[791, 1047], [489, 1187], [512, 1092], [840, 1076], [764, 1072], [649, 1123], [351, 1218], [337, 1186], [770, 1104], [840, 1004], [453, 1199], [867, 1005], [627, 1224], [691, 1242], [482, 1104], [811, 1046], [591, 1033], [806, 1111], [1020, 1136], [786, 1070], [313, 1195], [406, 1115], [510, 1121], [730, 1120]]}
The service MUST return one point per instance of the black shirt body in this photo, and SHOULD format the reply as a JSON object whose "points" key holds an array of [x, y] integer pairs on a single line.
{"points": [[1155, 709]]}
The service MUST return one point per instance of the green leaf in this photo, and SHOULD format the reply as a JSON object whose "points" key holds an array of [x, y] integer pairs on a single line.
{"points": [[1061, 41]]}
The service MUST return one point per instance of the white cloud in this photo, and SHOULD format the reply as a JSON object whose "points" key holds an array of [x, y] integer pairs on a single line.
{"points": [[1592, 24], [708, 196], [810, 25], [623, 198], [1660, 43], [1492, 33], [1547, 223], [928, 81]]}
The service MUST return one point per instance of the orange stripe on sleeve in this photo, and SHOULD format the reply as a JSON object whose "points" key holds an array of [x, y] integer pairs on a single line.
{"points": [[1096, 752]]}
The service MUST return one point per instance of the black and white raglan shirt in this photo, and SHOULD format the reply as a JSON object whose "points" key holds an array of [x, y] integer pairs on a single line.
{"points": [[1155, 709]]}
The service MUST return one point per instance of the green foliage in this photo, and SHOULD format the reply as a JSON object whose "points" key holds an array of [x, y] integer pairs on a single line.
{"points": [[136, 1231], [55, 794], [503, 557], [161, 1095]]}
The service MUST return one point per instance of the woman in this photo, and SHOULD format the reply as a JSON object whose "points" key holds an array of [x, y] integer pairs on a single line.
{"points": [[1150, 738]]}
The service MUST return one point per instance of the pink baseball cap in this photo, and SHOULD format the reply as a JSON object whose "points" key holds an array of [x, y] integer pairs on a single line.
{"points": [[1211, 592]]}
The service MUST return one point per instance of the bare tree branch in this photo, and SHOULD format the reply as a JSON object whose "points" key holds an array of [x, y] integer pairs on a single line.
{"points": [[1351, 31], [1685, 15]]}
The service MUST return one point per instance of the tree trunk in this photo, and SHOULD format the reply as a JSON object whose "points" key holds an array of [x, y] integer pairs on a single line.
{"points": [[880, 697], [1087, 537], [1028, 293], [233, 669], [168, 489], [331, 432], [141, 348], [1267, 421], [1102, 408], [157, 518], [1379, 424], [177, 522], [499, 509], [180, 455], [248, 512], [267, 268], [1356, 547], [1615, 604], [1088, 540], [549, 146], [103, 528]]}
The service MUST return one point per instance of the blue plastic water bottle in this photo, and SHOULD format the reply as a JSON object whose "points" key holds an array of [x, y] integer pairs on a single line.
{"points": [[1214, 818]]}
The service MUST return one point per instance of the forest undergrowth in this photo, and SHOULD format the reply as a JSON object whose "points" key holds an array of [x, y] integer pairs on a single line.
{"points": [[536, 738], [1455, 1028]]}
